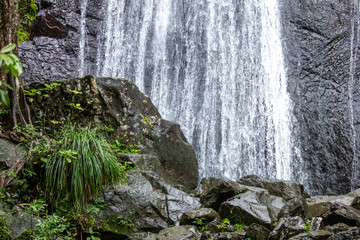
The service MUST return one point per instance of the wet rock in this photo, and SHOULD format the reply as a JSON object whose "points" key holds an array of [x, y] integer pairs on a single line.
{"points": [[206, 215], [256, 231], [48, 26], [142, 161], [9, 153], [20, 222], [356, 202], [336, 228], [313, 235], [214, 191], [132, 118], [351, 234], [287, 227], [139, 206], [179, 233], [339, 213], [280, 188], [224, 236], [293, 207], [316, 223], [255, 205]]}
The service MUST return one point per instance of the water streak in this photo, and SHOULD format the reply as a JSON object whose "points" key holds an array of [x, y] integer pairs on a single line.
{"points": [[82, 37], [217, 68]]}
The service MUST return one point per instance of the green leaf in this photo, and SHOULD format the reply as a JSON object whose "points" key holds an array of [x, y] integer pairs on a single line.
{"points": [[7, 60], [14, 57], [4, 98], [7, 85], [8, 48], [19, 67], [13, 71]]}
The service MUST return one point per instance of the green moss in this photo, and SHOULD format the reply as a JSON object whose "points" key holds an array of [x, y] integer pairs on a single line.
{"points": [[27, 11]]}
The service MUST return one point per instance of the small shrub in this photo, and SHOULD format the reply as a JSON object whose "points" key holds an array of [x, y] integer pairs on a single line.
{"points": [[4, 229], [80, 166]]}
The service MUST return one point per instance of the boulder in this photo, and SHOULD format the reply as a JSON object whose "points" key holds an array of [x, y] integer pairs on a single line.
{"points": [[356, 202], [339, 227], [293, 207], [21, 222], [339, 213], [255, 206], [179, 233], [214, 191], [224, 236], [318, 205], [313, 235], [279, 188], [130, 117], [140, 206], [353, 234], [141, 161], [205, 215], [9, 153], [256, 231], [286, 228]]}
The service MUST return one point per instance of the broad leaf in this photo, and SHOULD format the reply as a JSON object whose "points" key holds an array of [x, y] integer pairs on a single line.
{"points": [[4, 98], [19, 68], [7, 60], [8, 48], [7, 85], [13, 71]]}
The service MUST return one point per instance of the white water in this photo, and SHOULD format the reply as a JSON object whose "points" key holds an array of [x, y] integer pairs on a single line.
{"points": [[217, 68], [355, 26], [82, 37]]}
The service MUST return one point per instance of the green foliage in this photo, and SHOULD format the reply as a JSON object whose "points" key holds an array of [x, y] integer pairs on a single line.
{"points": [[52, 227], [80, 177], [307, 226], [36, 207], [27, 10], [200, 224], [44, 92], [224, 224], [4, 229], [122, 148]]}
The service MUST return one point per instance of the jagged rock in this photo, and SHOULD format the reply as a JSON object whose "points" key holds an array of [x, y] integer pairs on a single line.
{"points": [[142, 161], [224, 236], [214, 191], [280, 188], [286, 228], [139, 205], [217, 227], [313, 235], [356, 202], [351, 234], [256, 231], [318, 205], [205, 214], [316, 223], [255, 205], [132, 117], [336, 228], [9, 153], [293, 207], [20, 222], [179, 233], [339, 213]]}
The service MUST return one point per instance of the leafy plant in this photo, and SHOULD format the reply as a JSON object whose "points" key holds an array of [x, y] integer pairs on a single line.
{"points": [[224, 224], [86, 175], [36, 207], [200, 224], [53, 227], [122, 148], [11, 64], [4, 229], [307, 226]]}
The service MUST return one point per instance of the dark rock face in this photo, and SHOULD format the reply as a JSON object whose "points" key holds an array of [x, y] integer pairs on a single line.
{"points": [[9, 153], [53, 51], [205, 214], [320, 42], [118, 104]]}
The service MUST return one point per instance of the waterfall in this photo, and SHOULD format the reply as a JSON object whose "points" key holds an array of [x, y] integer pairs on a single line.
{"points": [[217, 68], [82, 42], [355, 25]]}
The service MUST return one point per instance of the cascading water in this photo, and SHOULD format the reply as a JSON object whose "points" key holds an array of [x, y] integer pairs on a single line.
{"points": [[217, 68], [355, 26], [82, 42]]}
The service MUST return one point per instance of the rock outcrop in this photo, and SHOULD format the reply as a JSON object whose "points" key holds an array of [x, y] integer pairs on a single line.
{"points": [[127, 115]]}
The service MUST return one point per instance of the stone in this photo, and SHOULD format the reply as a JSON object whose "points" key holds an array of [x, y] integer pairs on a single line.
{"points": [[356, 202], [142, 161], [132, 118], [206, 215], [214, 191], [336, 228], [280, 188], [179, 233], [9, 153], [286, 228], [140, 206], [224, 236], [313, 235], [20, 222], [339, 213], [256, 231], [255, 206], [293, 207], [353, 234]]}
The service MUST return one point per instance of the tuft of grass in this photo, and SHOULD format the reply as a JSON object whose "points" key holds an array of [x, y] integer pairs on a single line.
{"points": [[80, 166]]}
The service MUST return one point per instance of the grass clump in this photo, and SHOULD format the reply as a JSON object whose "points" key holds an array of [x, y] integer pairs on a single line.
{"points": [[79, 167]]}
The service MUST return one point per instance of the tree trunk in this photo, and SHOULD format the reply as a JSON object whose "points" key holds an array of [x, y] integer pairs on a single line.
{"points": [[9, 16]]}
